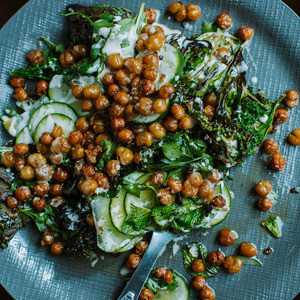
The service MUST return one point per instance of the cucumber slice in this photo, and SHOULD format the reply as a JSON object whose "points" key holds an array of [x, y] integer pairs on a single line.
{"points": [[48, 123], [180, 293], [218, 215], [15, 124], [109, 239], [47, 109], [24, 137]]}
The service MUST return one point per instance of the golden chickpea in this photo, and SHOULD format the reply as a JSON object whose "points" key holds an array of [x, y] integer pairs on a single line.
{"points": [[57, 248], [209, 112], [75, 137], [171, 124], [125, 135], [61, 145], [39, 203], [270, 146], [27, 173], [77, 91], [248, 250], [91, 92], [181, 14], [23, 193], [188, 190], [56, 189], [151, 15], [263, 188], [206, 189], [294, 137], [117, 123], [198, 266], [99, 126], [112, 168], [144, 139], [215, 176], [134, 66], [174, 185], [101, 103], [159, 106], [17, 81], [41, 188], [57, 131], [41, 88], [131, 112], [36, 57], [135, 81], [21, 149], [278, 162], [218, 201], [166, 91], [8, 158], [66, 59], [153, 43], [133, 261], [124, 155], [193, 12], [227, 237], [160, 272], [88, 171], [151, 60], [116, 110], [168, 278], [144, 106], [11, 202], [174, 7], [223, 54], [108, 79], [224, 21], [164, 196], [122, 77], [122, 98], [160, 33], [82, 124], [112, 89], [48, 238], [195, 179], [150, 74], [215, 258], [77, 152], [265, 204], [46, 138], [137, 158], [20, 162], [207, 293], [36, 160], [232, 264], [102, 180], [80, 50], [20, 94], [146, 294], [89, 186], [177, 111], [291, 98], [281, 115], [158, 178], [90, 220], [115, 61], [199, 282], [141, 247], [148, 87], [157, 130], [211, 99], [87, 105], [185, 123], [149, 30], [245, 33]]}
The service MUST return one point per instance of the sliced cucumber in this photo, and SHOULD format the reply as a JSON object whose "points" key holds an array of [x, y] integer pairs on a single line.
{"points": [[48, 123], [180, 293], [15, 124], [47, 109], [24, 137], [218, 215]]}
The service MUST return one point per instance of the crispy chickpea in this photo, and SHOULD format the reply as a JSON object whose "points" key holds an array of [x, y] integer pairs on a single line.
{"points": [[140, 43], [23, 193], [133, 261], [198, 266], [102, 137], [17, 81], [135, 81], [193, 12], [115, 61], [265, 204], [41, 87], [224, 21], [48, 238], [141, 247], [153, 43], [80, 50], [294, 137], [245, 33], [102, 180], [158, 178], [185, 123], [89, 186], [207, 293], [20, 94], [171, 124], [36, 57], [90, 220], [46, 138], [188, 190], [56, 158], [248, 250], [174, 7], [21, 149], [124, 155], [131, 111], [27, 173], [77, 91], [177, 111], [215, 258], [122, 77], [159, 106], [168, 278], [174, 185], [75, 137], [215, 176], [291, 98], [66, 59], [117, 123], [92, 153], [44, 173], [164, 196], [166, 91], [61, 144], [125, 135], [8, 158], [43, 149], [116, 110], [91, 92], [134, 66], [20, 163], [144, 139], [223, 54], [146, 294], [82, 124], [11, 202], [150, 74], [199, 282], [263, 188], [144, 106], [41, 188], [227, 237], [112, 89], [57, 131], [57, 248], [88, 171], [39, 203], [36, 160], [281, 115], [112, 168], [77, 152], [232, 264], [218, 201], [159, 32], [148, 87], [211, 99], [99, 126], [122, 98], [181, 14], [108, 79], [195, 179], [270, 146], [160, 272], [56, 189], [151, 15], [151, 60], [101, 103], [206, 189], [157, 130], [60, 175], [137, 157]]}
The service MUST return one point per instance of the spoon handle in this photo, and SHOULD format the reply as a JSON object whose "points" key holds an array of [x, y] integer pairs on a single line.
{"points": [[133, 289]]}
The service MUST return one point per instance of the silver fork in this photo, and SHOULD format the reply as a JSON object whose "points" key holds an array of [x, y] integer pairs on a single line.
{"points": [[158, 241]]}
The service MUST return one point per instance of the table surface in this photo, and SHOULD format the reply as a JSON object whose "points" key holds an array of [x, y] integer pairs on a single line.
{"points": [[8, 8]]}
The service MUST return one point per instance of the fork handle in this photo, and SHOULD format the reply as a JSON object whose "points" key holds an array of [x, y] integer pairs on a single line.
{"points": [[139, 277]]}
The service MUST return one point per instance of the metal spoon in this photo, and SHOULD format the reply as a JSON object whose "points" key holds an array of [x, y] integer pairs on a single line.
{"points": [[158, 241]]}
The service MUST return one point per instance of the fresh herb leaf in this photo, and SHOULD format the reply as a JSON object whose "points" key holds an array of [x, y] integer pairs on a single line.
{"points": [[274, 224], [16, 183], [154, 284], [208, 27], [125, 43]]}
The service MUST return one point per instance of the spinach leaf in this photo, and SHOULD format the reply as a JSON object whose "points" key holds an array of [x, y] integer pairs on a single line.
{"points": [[154, 284], [274, 225], [171, 151]]}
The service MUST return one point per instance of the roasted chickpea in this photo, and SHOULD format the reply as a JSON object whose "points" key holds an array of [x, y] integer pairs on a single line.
{"points": [[215, 176], [8, 158], [122, 98], [281, 115], [101, 103], [101, 137], [150, 74], [21, 149], [36, 160], [91, 92], [159, 106], [125, 135], [215, 258], [90, 220], [265, 204], [112, 168], [224, 21], [188, 190], [56, 189], [159, 32], [135, 81], [227, 237], [211, 99], [11, 202], [56, 158], [174, 7], [124, 155], [122, 77], [206, 189], [198, 266], [82, 124], [77, 91], [177, 111], [160, 272], [148, 87], [39, 203], [48, 238], [20, 163], [46, 138], [77, 152], [89, 186], [146, 294], [17, 81], [232, 264], [207, 293], [199, 282], [291, 98], [66, 59], [157, 130], [131, 112], [245, 33], [151, 15], [88, 171], [61, 144], [108, 79], [193, 12], [181, 14], [36, 57], [185, 123], [140, 43], [270, 146], [80, 50], [144, 106], [23, 193], [27, 173], [174, 185], [42, 148], [60, 175], [99, 126], [263, 188], [115, 61], [248, 250], [102, 180], [171, 124], [158, 178], [166, 91], [75, 137], [168, 278], [41, 88], [112, 89], [218, 201], [117, 123], [92, 153], [20, 94], [116, 110], [137, 157], [57, 131], [57, 248], [41, 188], [134, 66], [153, 43], [164, 196], [144, 139], [294, 137], [133, 261], [151, 60], [141, 247], [195, 179]]}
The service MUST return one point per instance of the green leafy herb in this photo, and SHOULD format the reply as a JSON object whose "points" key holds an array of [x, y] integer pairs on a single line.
{"points": [[16, 183], [109, 148], [125, 43], [68, 163], [274, 224], [154, 284]]}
